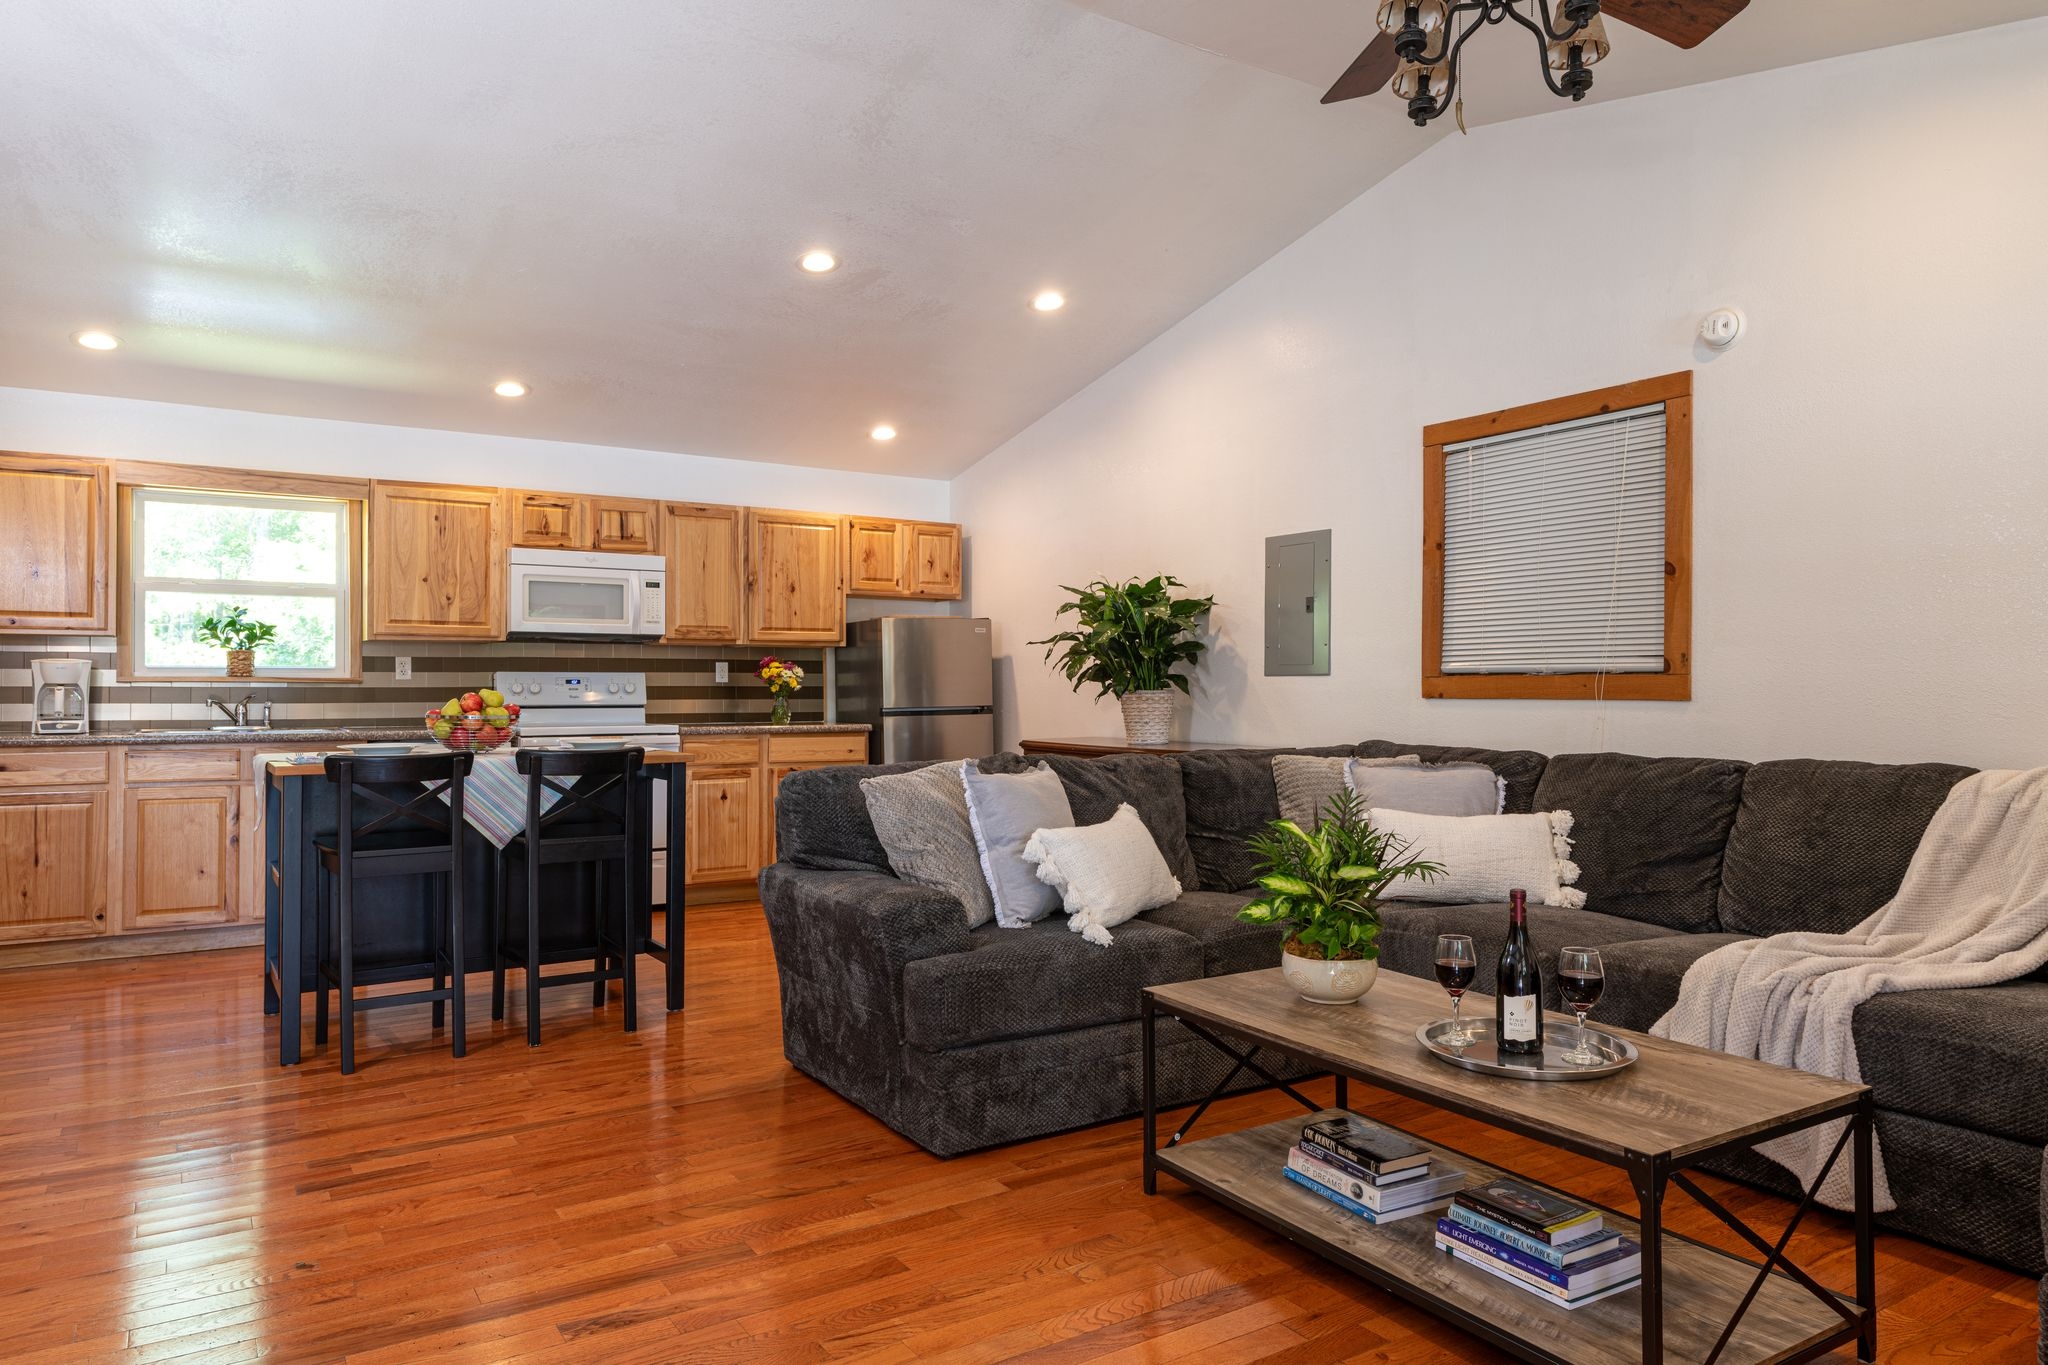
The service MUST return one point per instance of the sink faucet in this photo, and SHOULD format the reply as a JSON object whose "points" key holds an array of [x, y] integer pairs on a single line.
{"points": [[239, 712]]}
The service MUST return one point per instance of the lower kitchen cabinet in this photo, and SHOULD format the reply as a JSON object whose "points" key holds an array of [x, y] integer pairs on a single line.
{"points": [[52, 864], [723, 839], [182, 855]]}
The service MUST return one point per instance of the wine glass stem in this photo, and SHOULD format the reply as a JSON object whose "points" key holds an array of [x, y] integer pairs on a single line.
{"points": [[1457, 1015]]}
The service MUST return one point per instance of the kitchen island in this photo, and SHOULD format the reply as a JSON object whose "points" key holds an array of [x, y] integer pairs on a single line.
{"points": [[391, 921]]}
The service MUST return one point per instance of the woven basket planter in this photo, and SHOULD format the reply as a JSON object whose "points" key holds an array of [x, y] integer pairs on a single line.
{"points": [[1148, 716], [241, 663]]}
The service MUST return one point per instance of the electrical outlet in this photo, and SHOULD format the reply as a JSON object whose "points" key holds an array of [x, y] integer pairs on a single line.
{"points": [[401, 668], [721, 672]]}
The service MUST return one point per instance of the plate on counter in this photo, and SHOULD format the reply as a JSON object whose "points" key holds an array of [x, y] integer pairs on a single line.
{"points": [[380, 749], [593, 745]]}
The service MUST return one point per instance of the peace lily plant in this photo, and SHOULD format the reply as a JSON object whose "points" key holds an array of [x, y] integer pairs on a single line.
{"points": [[1128, 639]]}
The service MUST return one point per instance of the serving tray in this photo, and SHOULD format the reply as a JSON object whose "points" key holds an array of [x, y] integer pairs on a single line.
{"points": [[1482, 1054]]}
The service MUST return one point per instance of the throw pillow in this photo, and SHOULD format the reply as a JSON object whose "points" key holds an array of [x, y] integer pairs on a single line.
{"points": [[1104, 874], [1437, 789], [1304, 783], [921, 819], [1486, 856], [1004, 810]]}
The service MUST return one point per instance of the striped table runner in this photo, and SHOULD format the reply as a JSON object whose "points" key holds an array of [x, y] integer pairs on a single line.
{"points": [[494, 798]]}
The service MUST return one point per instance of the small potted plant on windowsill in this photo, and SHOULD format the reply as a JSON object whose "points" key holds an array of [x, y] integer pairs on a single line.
{"points": [[1128, 639], [1325, 885], [231, 629]]}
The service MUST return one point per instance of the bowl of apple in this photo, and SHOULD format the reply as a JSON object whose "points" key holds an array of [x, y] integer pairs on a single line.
{"points": [[475, 722]]}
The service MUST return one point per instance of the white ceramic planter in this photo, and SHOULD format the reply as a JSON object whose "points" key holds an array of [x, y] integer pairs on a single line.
{"points": [[1329, 983], [1148, 716]]}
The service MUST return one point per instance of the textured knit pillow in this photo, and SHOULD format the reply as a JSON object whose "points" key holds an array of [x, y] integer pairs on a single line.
{"points": [[1104, 874], [920, 818], [1304, 783], [1005, 810], [1438, 789], [1486, 856]]}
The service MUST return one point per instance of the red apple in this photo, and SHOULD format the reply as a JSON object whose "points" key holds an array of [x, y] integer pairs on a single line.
{"points": [[472, 702], [490, 736], [512, 709], [472, 721]]}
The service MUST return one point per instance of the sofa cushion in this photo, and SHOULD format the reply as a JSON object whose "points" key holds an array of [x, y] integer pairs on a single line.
{"points": [[1230, 797], [1229, 944], [1824, 845], [1016, 983], [1966, 1057], [1410, 948], [1520, 769], [1148, 783], [822, 822], [1643, 976], [1647, 833]]}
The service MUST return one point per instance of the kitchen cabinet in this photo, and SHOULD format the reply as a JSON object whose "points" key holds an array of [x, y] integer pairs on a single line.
{"points": [[53, 847], [905, 559], [546, 521], [625, 526], [786, 754], [56, 530], [796, 578], [182, 846], [706, 553], [437, 563], [723, 839]]}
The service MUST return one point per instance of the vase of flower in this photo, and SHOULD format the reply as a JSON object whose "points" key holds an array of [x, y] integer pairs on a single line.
{"points": [[784, 681]]}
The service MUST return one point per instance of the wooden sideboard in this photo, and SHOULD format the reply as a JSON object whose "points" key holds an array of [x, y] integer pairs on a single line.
{"points": [[1097, 747]]}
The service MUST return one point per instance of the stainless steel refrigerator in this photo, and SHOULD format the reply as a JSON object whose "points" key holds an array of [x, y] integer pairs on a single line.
{"points": [[925, 683]]}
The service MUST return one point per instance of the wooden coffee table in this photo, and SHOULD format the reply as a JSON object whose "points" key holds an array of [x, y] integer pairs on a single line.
{"points": [[1676, 1107]]}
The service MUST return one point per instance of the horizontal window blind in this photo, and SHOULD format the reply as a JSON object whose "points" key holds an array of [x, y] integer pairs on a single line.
{"points": [[1554, 548]]}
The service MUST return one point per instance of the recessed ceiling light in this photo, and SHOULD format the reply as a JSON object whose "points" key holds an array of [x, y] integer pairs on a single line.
{"points": [[1049, 301], [818, 262], [884, 432], [509, 388], [96, 341]]}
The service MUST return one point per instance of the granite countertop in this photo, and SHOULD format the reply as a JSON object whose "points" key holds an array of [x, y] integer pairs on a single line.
{"points": [[298, 736]]}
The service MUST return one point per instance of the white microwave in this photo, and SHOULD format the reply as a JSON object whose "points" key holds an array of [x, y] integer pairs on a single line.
{"points": [[561, 594]]}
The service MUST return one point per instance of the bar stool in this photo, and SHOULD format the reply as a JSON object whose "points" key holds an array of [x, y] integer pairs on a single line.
{"points": [[580, 829], [410, 833]]}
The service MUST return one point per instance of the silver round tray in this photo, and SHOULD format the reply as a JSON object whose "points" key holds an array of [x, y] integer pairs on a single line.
{"points": [[1481, 1054]]}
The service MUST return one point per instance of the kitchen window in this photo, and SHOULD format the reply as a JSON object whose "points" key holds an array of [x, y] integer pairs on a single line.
{"points": [[288, 559]]}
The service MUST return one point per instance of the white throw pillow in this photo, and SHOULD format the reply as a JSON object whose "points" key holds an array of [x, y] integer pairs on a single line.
{"points": [[1105, 873], [1486, 856], [1427, 789]]}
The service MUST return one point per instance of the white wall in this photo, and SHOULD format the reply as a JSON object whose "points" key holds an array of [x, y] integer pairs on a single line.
{"points": [[125, 428], [1871, 519]]}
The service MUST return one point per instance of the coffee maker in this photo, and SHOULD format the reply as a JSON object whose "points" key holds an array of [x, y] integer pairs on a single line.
{"points": [[63, 692]]}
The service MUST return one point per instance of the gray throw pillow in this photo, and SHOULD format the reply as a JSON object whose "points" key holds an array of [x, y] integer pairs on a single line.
{"points": [[1440, 789], [921, 819], [1304, 783], [1005, 810]]}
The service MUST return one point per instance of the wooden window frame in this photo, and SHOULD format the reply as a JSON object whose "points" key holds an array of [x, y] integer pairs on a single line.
{"points": [[1674, 391], [131, 475]]}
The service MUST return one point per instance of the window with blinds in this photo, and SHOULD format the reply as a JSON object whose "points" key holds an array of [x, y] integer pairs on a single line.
{"points": [[1558, 548], [1554, 548]]}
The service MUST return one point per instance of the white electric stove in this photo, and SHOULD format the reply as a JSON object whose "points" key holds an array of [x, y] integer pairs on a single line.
{"points": [[573, 705]]}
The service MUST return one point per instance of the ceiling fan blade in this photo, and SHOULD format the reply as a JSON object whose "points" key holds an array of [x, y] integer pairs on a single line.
{"points": [[1686, 23], [1369, 74]]}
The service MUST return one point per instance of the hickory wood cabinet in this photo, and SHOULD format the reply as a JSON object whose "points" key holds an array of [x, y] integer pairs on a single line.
{"points": [[707, 575], [908, 559], [731, 787], [437, 563], [796, 578], [582, 521], [56, 530]]}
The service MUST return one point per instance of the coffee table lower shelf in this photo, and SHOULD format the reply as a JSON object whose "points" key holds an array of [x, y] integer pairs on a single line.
{"points": [[1702, 1286]]}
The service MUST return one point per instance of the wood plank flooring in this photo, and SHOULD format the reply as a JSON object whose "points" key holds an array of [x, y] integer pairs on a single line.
{"points": [[168, 1193]]}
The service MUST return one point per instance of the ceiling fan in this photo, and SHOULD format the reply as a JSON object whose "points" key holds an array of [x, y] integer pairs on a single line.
{"points": [[1420, 41]]}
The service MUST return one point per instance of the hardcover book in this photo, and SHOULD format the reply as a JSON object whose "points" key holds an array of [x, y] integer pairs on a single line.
{"points": [[1376, 1150], [1434, 1185], [1579, 1249], [1350, 1205], [1622, 1263], [1542, 1291], [1551, 1217]]}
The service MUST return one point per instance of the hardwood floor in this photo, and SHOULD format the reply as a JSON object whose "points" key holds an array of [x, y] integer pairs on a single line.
{"points": [[168, 1193]]}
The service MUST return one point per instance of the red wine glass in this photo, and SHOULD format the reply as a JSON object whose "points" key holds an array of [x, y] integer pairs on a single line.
{"points": [[1457, 963], [1579, 979]]}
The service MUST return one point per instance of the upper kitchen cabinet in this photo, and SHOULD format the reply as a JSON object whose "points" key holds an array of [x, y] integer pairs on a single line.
{"points": [[56, 526], [909, 559], [706, 552], [437, 563], [625, 526], [547, 521], [796, 593]]}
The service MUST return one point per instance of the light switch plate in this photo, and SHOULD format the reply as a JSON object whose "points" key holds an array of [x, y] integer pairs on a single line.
{"points": [[721, 672]]}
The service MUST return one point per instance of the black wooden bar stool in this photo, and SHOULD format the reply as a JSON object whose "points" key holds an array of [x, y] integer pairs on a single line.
{"points": [[594, 825], [407, 830]]}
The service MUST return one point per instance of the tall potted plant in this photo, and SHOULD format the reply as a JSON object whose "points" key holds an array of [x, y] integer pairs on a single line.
{"points": [[231, 629], [1128, 638], [1325, 885]]}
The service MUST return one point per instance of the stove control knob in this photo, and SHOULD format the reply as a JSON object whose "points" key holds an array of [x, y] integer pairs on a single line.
{"points": [[518, 689], [632, 687], [612, 688]]}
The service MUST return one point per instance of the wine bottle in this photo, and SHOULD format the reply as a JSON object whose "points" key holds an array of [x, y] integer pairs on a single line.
{"points": [[1518, 986]]}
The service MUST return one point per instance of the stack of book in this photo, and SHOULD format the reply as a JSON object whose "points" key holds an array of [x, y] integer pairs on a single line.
{"points": [[1556, 1248], [1369, 1170]]}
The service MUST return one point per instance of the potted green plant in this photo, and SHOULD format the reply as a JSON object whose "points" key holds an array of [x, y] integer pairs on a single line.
{"points": [[1325, 885], [1128, 638], [231, 629]]}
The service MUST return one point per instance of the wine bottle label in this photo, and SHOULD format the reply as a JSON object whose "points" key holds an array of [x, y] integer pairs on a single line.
{"points": [[1518, 1018]]}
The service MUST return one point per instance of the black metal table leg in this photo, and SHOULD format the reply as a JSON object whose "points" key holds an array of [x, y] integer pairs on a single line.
{"points": [[1343, 1092], [1865, 1124], [271, 907], [291, 851], [1648, 1179], [1146, 1028], [678, 868]]}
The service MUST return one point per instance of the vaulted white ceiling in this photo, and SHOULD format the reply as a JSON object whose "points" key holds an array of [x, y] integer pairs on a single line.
{"points": [[374, 210]]}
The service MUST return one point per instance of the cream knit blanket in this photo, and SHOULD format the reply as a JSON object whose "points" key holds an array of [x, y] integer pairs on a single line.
{"points": [[1972, 911]]}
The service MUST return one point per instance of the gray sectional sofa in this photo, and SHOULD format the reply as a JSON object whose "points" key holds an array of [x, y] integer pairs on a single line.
{"points": [[961, 1040]]}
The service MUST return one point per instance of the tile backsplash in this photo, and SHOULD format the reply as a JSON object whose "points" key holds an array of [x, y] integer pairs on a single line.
{"points": [[679, 682]]}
